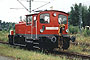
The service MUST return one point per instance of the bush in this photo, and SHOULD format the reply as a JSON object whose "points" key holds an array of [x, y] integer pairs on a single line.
{"points": [[4, 36], [73, 29], [86, 32]]}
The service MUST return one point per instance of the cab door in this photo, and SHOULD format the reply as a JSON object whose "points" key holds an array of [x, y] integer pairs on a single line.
{"points": [[44, 22], [34, 27], [28, 31]]}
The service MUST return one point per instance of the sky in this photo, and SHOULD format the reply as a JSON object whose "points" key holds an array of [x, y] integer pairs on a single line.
{"points": [[13, 15]]}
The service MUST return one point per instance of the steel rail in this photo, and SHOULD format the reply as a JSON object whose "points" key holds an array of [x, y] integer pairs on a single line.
{"points": [[71, 54]]}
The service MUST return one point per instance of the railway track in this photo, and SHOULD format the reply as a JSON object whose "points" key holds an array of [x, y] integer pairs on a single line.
{"points": [[57, 53], [72, 54], [79, 43], [4, 42]]}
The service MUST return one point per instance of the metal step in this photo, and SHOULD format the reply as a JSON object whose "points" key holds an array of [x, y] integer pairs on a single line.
{"points": [[36, 43], [36, 47]]}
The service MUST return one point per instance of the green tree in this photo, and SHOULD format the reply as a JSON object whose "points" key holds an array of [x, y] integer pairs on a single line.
{"points": [[74, 18], [84, 15], [74, 15], [88, 17]]}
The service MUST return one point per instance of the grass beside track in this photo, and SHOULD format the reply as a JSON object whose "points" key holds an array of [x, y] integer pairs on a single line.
{"points": [[25, 54], [82, 49], [4, 36], [81, 38], [30, 55]]}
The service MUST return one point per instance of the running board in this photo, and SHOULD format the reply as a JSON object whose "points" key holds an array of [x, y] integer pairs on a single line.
{"points": [[36, 43], [36, 47]]}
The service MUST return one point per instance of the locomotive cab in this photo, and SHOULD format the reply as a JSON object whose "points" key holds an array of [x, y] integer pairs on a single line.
{"points": [[44, 30]]}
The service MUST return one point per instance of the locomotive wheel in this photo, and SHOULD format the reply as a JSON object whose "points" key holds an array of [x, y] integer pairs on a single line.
{"points": [[66, 43], [29, 46], [45, 44]]}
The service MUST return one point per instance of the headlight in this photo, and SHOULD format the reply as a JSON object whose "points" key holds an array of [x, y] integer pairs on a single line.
{"points": [[41, 30], [54, 14], [67, 30]]}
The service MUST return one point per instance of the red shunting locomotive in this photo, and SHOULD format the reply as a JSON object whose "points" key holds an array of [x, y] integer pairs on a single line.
{"points": [[45, 30]]}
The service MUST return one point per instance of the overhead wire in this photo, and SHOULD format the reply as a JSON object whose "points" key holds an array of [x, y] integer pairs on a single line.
{"points": [[42, 5], [23, 5], [36, 8]]}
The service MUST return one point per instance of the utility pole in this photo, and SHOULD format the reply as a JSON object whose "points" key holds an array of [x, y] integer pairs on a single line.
{"points": [[80, 16], [30, 6]]}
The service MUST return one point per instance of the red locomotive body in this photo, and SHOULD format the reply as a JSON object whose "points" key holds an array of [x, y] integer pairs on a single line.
{"points": [[46, 29]]}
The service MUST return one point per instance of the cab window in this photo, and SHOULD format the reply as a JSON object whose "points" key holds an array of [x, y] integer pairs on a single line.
{"points": [[62, 19], [35, 17], [44, 18], [29, 20]]}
